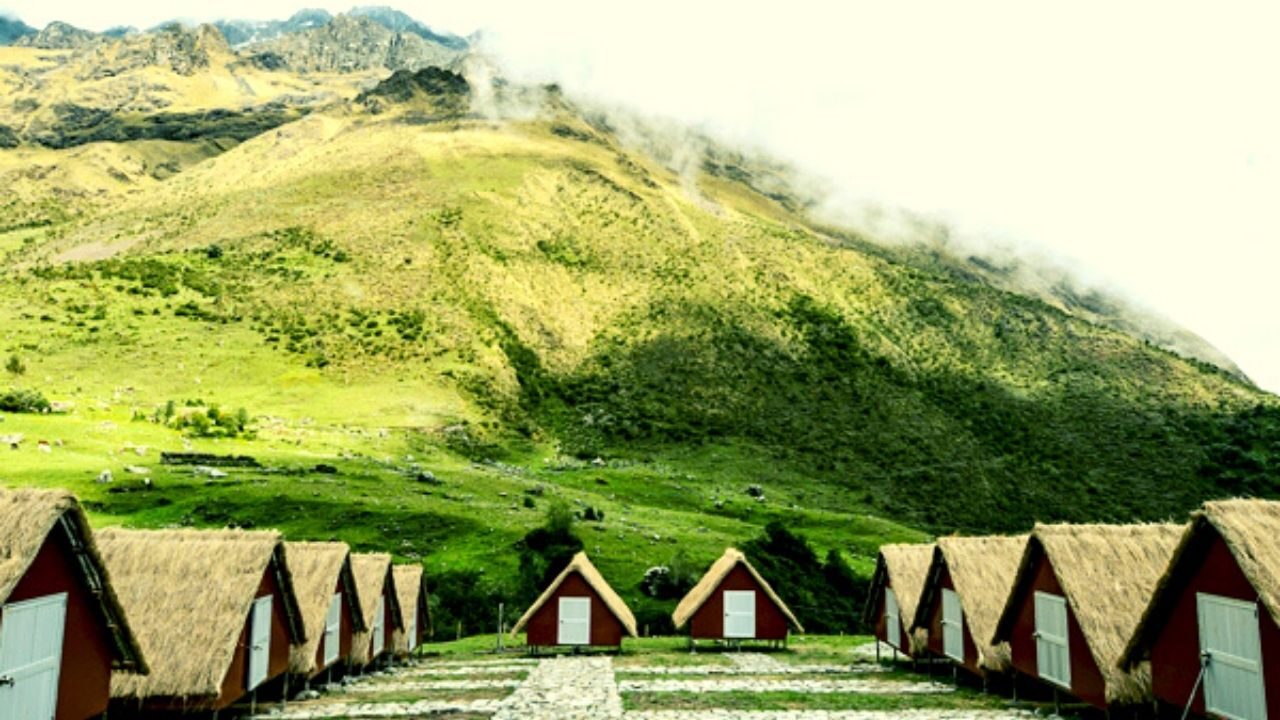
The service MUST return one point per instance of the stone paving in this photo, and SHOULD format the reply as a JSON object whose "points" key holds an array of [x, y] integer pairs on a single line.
{"points": [[566, 688], [581, 688], [815, 687]]}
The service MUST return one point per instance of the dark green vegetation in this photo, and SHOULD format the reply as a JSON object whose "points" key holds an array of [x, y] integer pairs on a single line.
{"points": [[440, 329], [79, 126]]}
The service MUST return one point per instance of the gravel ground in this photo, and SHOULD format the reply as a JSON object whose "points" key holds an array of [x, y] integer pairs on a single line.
{"points": [[866, 687]]}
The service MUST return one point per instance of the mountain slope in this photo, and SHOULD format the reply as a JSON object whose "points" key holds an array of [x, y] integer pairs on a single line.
{"points": [[13, 29], [542, 286]]}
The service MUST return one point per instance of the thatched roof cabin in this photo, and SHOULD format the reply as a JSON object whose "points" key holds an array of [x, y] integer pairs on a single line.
{"points": [[971, 576], [321, 571], [411, 592], [60, 605], [900, 570], [190, 595], [1218, 600], [704, 605], [606, 614], [380, 605], [1078, 595]]}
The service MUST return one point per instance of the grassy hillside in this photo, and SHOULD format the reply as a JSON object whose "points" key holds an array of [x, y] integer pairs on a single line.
{"points": [[528, 309]]}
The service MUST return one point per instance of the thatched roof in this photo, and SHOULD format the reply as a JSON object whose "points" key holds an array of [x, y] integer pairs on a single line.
{"points": [[27, 517], [716, 574], [905, 568], [411, 587], [982, 570], [582, 566], [317, 567], [372, 572], [1251, 531], [1107, 574], [188, 594]]}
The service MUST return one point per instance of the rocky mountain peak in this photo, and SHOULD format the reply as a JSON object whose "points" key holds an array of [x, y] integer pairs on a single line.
{"points": [[58, 35]]}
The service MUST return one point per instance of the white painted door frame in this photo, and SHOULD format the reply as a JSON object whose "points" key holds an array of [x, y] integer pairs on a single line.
{"points": [[952, 625], [333, 630], [1053, 647], [892, 618]]}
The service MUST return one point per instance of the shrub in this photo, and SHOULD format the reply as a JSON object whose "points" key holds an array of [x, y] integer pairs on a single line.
{"points": [[23, 401], [15, 366]]}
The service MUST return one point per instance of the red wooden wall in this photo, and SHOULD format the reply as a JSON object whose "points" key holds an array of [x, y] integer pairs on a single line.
{"points": [[543, 628], [881, 629], [708, 621]]}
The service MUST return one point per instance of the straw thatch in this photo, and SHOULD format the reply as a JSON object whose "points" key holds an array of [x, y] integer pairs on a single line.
{"points": [[696, 597], [411, 592], [372, 572], [27, 517], [188, 594], [1107, 574], [904, 568], [583, 567], [982, 570], [317, 567], [1251, 531]]}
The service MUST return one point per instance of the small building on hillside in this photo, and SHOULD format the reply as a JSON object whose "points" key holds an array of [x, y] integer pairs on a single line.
{"points": [[329, 605], [894, 595], [376, 586], [964, 593], [411, 591], [214, 610], [62, 628], [1077, 598], [732, 602], [1212, 628], [578, 609]]}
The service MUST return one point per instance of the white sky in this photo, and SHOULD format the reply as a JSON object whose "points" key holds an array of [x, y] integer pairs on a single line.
{"points": [[1137, 139]]}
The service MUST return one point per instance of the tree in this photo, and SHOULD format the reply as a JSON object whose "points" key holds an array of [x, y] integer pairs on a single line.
{"points": [[545, 551]]}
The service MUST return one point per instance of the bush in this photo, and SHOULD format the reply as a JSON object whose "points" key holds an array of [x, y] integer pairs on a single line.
{"points": [[23, 401], [209, 422], [15, 366], [825, 595]]}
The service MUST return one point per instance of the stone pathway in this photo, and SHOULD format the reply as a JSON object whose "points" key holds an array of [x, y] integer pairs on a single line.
{"points": [[756, 663], [739, 670], [831, 715], [565, 688], [411, 686], [815, 687]]}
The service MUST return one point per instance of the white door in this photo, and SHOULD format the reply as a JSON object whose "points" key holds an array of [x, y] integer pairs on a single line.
{"points": [[740, 614], [1233, 683], [1053, 652], [31, 657], [892, 617], [575, 621], [952, 626], [413, 629], [333, 629], [259, 641], [379, 622]]}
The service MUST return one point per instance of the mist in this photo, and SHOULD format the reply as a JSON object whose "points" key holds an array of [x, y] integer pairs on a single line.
{"points": [[1137, 144]]}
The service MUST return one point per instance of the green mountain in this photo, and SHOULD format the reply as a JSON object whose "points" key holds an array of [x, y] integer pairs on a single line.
{"points": [[437, 321]]}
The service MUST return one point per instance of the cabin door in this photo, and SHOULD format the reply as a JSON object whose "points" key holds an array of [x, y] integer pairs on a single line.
{"points": [[1229, 642], [412, 631], [575, 621], [1053, 653], [379, 633], [892, 629], [31, 657], [259, 641], [952, 626], [333, 630], [740, 614]]}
